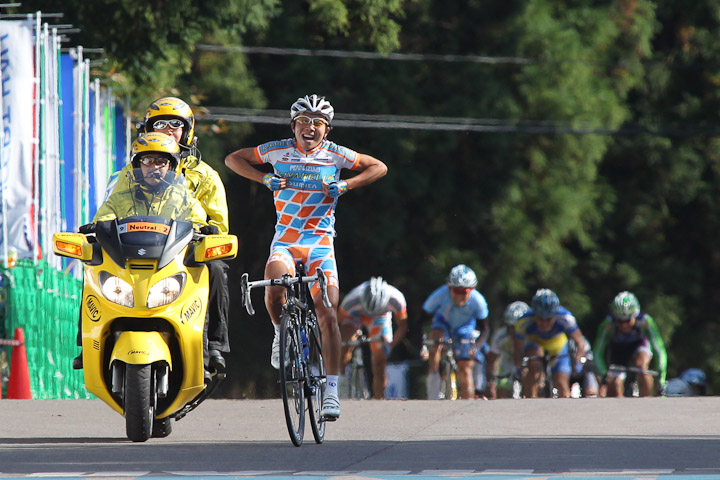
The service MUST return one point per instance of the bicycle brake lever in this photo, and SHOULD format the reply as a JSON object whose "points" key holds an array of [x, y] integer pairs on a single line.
{"points": [[245, 290], [323, 287]]}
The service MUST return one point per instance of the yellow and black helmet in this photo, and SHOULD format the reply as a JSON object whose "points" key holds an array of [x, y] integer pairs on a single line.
{"points": [[156, 143], [167, 108]]}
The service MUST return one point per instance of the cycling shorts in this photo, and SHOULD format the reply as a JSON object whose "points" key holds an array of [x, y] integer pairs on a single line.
{"points": [[561, 364], [463, 351], [320, 254], [380, 325]]}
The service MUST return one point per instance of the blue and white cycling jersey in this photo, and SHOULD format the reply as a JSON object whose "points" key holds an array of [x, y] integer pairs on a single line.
{"points": [[456, 318]]}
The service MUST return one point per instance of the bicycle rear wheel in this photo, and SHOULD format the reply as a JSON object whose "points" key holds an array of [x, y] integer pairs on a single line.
{"points": [[292, 381], [316, 383]]}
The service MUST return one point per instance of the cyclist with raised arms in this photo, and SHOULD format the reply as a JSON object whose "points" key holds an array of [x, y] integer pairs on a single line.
{"points": [[373, 304], [545, 329], [455, 309], [500, 359], [630, 338], [306, 186]]}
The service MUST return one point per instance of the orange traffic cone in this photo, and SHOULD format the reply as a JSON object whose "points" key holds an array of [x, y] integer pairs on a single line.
{"points": [[19, 381]]}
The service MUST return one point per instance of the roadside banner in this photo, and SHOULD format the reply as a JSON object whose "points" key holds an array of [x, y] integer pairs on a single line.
{"points": [[16, 172]]}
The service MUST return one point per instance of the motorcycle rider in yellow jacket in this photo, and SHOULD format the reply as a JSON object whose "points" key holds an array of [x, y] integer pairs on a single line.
{"points": [[174, 117]]}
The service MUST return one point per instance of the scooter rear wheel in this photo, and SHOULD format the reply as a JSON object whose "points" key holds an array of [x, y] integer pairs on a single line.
{"points": [[139, 405], [162, 427]]}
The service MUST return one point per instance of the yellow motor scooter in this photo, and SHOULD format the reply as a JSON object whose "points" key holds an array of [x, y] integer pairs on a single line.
{"points": [[143, 312]]}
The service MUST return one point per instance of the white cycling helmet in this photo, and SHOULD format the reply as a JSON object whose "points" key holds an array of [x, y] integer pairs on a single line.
{"points": [[375, 296], [514, 311], [312, 104], [462, 276]]}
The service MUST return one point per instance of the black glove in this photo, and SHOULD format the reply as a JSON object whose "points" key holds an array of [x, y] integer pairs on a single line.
{"points": [[87, 228], [209, 230]]}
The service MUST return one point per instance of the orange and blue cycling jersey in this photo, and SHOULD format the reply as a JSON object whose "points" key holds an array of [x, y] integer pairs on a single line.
{"points": [[381, 324], [552, 342], [305, 224]]}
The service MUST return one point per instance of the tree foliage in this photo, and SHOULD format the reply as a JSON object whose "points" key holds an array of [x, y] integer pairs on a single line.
{"points": [[605, 177]]}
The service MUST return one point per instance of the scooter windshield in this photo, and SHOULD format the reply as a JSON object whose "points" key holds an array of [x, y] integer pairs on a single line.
{"points": [[153, 218]]}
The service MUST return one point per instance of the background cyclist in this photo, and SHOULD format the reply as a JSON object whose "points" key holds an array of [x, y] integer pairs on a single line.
{"points": [[455, 309], [373, 304], [545, 329], [585, 375], [306, 185], [629, 337], [691, 383], [500, 359]]}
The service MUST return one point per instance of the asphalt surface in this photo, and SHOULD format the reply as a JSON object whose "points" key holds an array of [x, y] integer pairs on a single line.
{"points": [[652, 436]]}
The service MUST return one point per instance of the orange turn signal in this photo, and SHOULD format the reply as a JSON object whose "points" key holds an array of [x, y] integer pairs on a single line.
{"points": [[218, 250], [69, 248]]}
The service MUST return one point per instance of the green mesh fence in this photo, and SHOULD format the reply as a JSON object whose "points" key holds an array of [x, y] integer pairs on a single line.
{"points": [[45, 302]]}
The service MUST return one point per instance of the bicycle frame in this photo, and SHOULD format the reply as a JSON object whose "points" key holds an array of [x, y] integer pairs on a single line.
{"points": [[448, 366], [302, 372], [358, 380], [632, 389]]}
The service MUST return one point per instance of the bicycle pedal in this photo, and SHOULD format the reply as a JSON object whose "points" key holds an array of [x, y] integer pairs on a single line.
{"points": [[325, 418]]}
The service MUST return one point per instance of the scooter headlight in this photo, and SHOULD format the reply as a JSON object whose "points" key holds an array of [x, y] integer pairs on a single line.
{"points": [[116, 290], [166, 290]]}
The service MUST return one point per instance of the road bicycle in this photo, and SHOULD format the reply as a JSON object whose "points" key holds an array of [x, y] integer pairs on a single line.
{"points": [[357, 371], [302, 369], [448, 366], [547, 388], [632, 388]]}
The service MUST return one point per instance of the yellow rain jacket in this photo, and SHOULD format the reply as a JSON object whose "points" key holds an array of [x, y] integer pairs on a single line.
{"points": [[130, 198], [204, 184]]}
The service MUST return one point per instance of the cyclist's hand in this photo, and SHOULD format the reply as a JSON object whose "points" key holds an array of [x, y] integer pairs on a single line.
{"points": [[335, 189], [274, 182]]}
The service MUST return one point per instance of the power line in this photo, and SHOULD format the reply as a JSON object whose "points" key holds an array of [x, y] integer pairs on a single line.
{"points": [[454, 124], [413, 57]]}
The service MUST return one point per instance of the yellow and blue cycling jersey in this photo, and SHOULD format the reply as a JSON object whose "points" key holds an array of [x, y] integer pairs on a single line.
{"points": [[552, 342]]}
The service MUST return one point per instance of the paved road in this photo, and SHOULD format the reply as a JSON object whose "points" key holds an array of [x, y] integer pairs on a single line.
{"points": [[248, 437]]}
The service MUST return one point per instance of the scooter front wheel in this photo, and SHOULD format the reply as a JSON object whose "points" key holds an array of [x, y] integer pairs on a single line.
{"points": [[139, 405]]}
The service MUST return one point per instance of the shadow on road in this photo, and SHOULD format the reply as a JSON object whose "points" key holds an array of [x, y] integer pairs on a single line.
{"points": [[541, 455]]}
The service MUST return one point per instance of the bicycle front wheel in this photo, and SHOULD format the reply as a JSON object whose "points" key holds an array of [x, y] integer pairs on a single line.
{"points": [[316, 383], [448, 386], [292, 380]]}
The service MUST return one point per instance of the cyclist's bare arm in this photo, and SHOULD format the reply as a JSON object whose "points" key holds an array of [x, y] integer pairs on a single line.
{"points": [[242, 161], [370, 169], [580, 342], [400, 331], [483, 332], [517, 352]]}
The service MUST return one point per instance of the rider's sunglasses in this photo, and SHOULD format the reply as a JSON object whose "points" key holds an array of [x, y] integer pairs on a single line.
{"points": [[316, 122], [461, 290], [173, 123], [622, 320], [159, 161]]}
